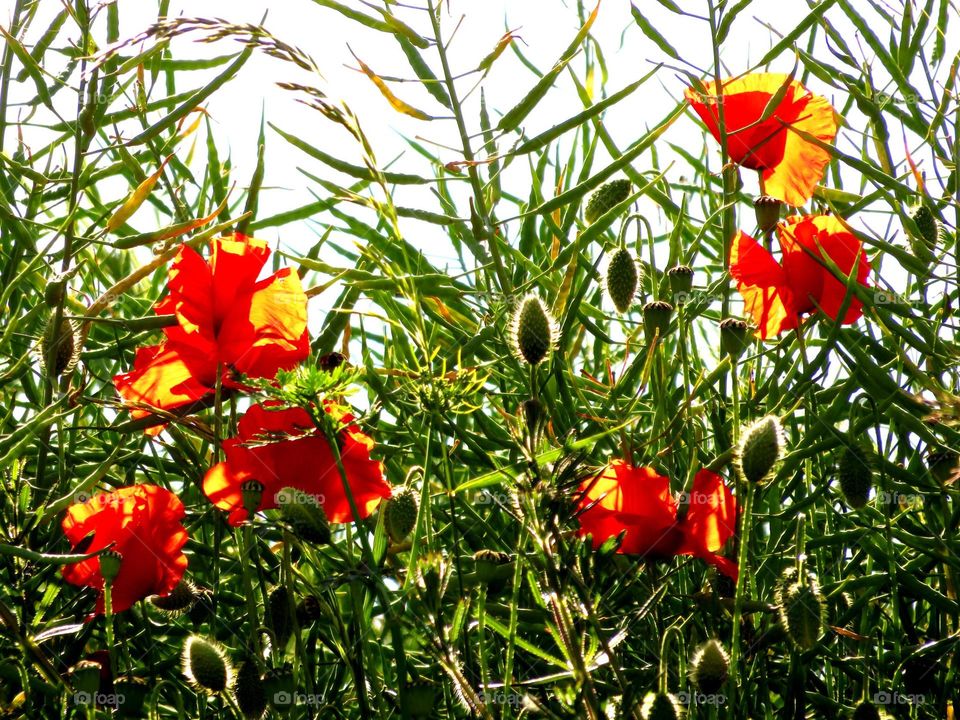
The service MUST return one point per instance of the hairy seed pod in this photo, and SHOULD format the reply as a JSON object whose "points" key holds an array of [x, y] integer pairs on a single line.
{"points": [[249, 691], [709, 667], [760, 447], [178, 601], [855, 474], [206, 665], [533, 332], [59, 351], [606, 197], [304, 514], [622, 279], [400, 513], [660, 706], [801, 608]]}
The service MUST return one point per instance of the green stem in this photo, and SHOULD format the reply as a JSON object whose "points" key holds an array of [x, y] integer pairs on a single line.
{"points": [[108, 618]]}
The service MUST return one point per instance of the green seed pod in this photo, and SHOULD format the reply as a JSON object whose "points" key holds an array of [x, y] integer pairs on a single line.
{"points": [[533, 332], [760, 447], [623, 277], [304, 514], [606, 197], [55, 292], [867, 711], [400, 513], [767, 209], [660, 706], [419, 698], [681, 282], [534, 419], [206, 665], [251, 492], [178, 601], [249, 691], [59, 350], [656, 319], [85, 677], [734, 338], [801, 608], [855, 474], [709, 667], [131, 694], [310, 609], [492, 568], [110, 561]]}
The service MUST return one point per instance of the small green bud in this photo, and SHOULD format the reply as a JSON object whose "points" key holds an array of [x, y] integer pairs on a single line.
{"points": [[623, 277], [179, 600], [855, 474], [278, 616], [760, 447], [801, 608], [533, 332], [709, 667], [606, 197], [656, 319], [55, 292], [206, 665], [492, 568], [400, 513], [927, 224], [304, 514]]}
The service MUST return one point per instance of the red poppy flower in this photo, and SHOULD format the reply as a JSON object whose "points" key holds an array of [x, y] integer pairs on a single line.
{"points": [[637, 501], [225, 317], [282, 448], [143, 522], [777, 294], [791, 167]]}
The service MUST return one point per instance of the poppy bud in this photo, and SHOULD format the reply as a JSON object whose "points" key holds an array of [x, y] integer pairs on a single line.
{"points": [[85, 678], [660, 706], [400, 513], [681, 282], [709, 667], [310, 609], [866, 711], [606, 197], [110, 561], [767, 209], [533, 332], [59, 351], [491, 567], [760, 447], [304, 514], [656, 319], [801, 608], [622, 279], [206, 665], [733, 337], [131, 693], [179, 600], [942, 465], [855, 475], [249, 691], [534, 418], [252, 493], [419, 697], [278, 615], [927, 224]]}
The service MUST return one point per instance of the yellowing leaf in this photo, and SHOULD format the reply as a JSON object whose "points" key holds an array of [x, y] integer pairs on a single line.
{"points": [[136, 199], [397, 104], [502, 44]]}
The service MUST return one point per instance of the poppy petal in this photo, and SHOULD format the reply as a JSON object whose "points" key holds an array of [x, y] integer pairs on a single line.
{"points": [[712, 516], [190, 294], [166, 376], [763, 285]]}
